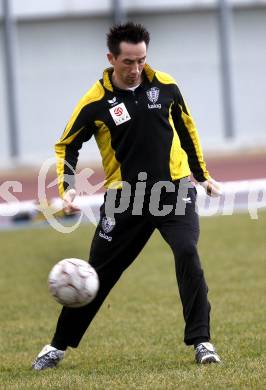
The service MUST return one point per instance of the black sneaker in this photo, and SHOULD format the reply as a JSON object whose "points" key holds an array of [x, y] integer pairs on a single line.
{"points": [[205, 353], [49, 357]]}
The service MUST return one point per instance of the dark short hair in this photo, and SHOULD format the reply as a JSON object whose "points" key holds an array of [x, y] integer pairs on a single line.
{"points": [[128, 32]]}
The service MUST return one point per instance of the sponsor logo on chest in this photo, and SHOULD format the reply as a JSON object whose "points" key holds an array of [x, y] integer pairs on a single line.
{"points": [[153, 96], [120, 114]]}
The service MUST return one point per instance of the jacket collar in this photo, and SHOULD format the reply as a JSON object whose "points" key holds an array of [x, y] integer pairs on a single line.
{"points": [[149, 72]]}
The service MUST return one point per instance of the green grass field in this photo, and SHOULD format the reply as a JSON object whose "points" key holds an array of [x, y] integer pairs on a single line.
{"points": [[136, 340]]}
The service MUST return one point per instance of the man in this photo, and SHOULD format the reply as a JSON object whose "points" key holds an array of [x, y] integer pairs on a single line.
{"points": [[149, 146]]}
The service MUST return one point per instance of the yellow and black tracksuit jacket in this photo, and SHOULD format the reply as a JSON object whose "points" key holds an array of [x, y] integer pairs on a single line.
{"points": [[147, 130]]}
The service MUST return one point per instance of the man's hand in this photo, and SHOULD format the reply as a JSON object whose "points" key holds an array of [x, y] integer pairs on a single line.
{"points": [[68, 206], [211, 187]]}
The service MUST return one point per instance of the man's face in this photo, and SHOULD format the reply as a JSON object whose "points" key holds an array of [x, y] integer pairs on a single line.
{"points": [[128, 65]]}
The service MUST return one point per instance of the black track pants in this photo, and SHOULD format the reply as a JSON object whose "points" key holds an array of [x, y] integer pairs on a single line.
{"points": [[114, 248]]}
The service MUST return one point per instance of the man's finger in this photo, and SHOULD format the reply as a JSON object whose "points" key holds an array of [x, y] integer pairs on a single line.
{"points": [[71, 209]]}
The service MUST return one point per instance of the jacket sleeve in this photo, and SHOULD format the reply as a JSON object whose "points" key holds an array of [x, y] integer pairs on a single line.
{"points": [[79, 129], [67, 151], [189, 138]]}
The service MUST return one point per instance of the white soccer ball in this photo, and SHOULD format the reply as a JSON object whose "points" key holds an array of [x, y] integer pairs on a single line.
{"points": [[73, 282]]}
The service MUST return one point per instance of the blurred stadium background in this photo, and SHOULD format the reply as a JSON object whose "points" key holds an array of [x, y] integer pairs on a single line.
{"points": [[52, 51]]}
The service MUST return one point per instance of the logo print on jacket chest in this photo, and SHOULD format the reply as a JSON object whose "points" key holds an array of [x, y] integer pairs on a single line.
{"points": [[153, 96], [120, 114]]}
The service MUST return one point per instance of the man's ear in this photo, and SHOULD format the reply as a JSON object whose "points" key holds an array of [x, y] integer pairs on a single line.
{"points": [[110, 58]]}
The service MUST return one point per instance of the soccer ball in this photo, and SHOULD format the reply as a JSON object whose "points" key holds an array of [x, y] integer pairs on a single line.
{"points": [[73, 282]]}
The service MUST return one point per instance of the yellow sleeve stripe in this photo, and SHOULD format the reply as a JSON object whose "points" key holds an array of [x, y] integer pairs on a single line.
{"points": [[93, 95], [60, 152], [67, 140], [178, 162], [113, 177], [193, 133]]}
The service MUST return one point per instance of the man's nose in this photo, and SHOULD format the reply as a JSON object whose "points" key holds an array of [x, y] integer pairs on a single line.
{"points": [[136, 68]]}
